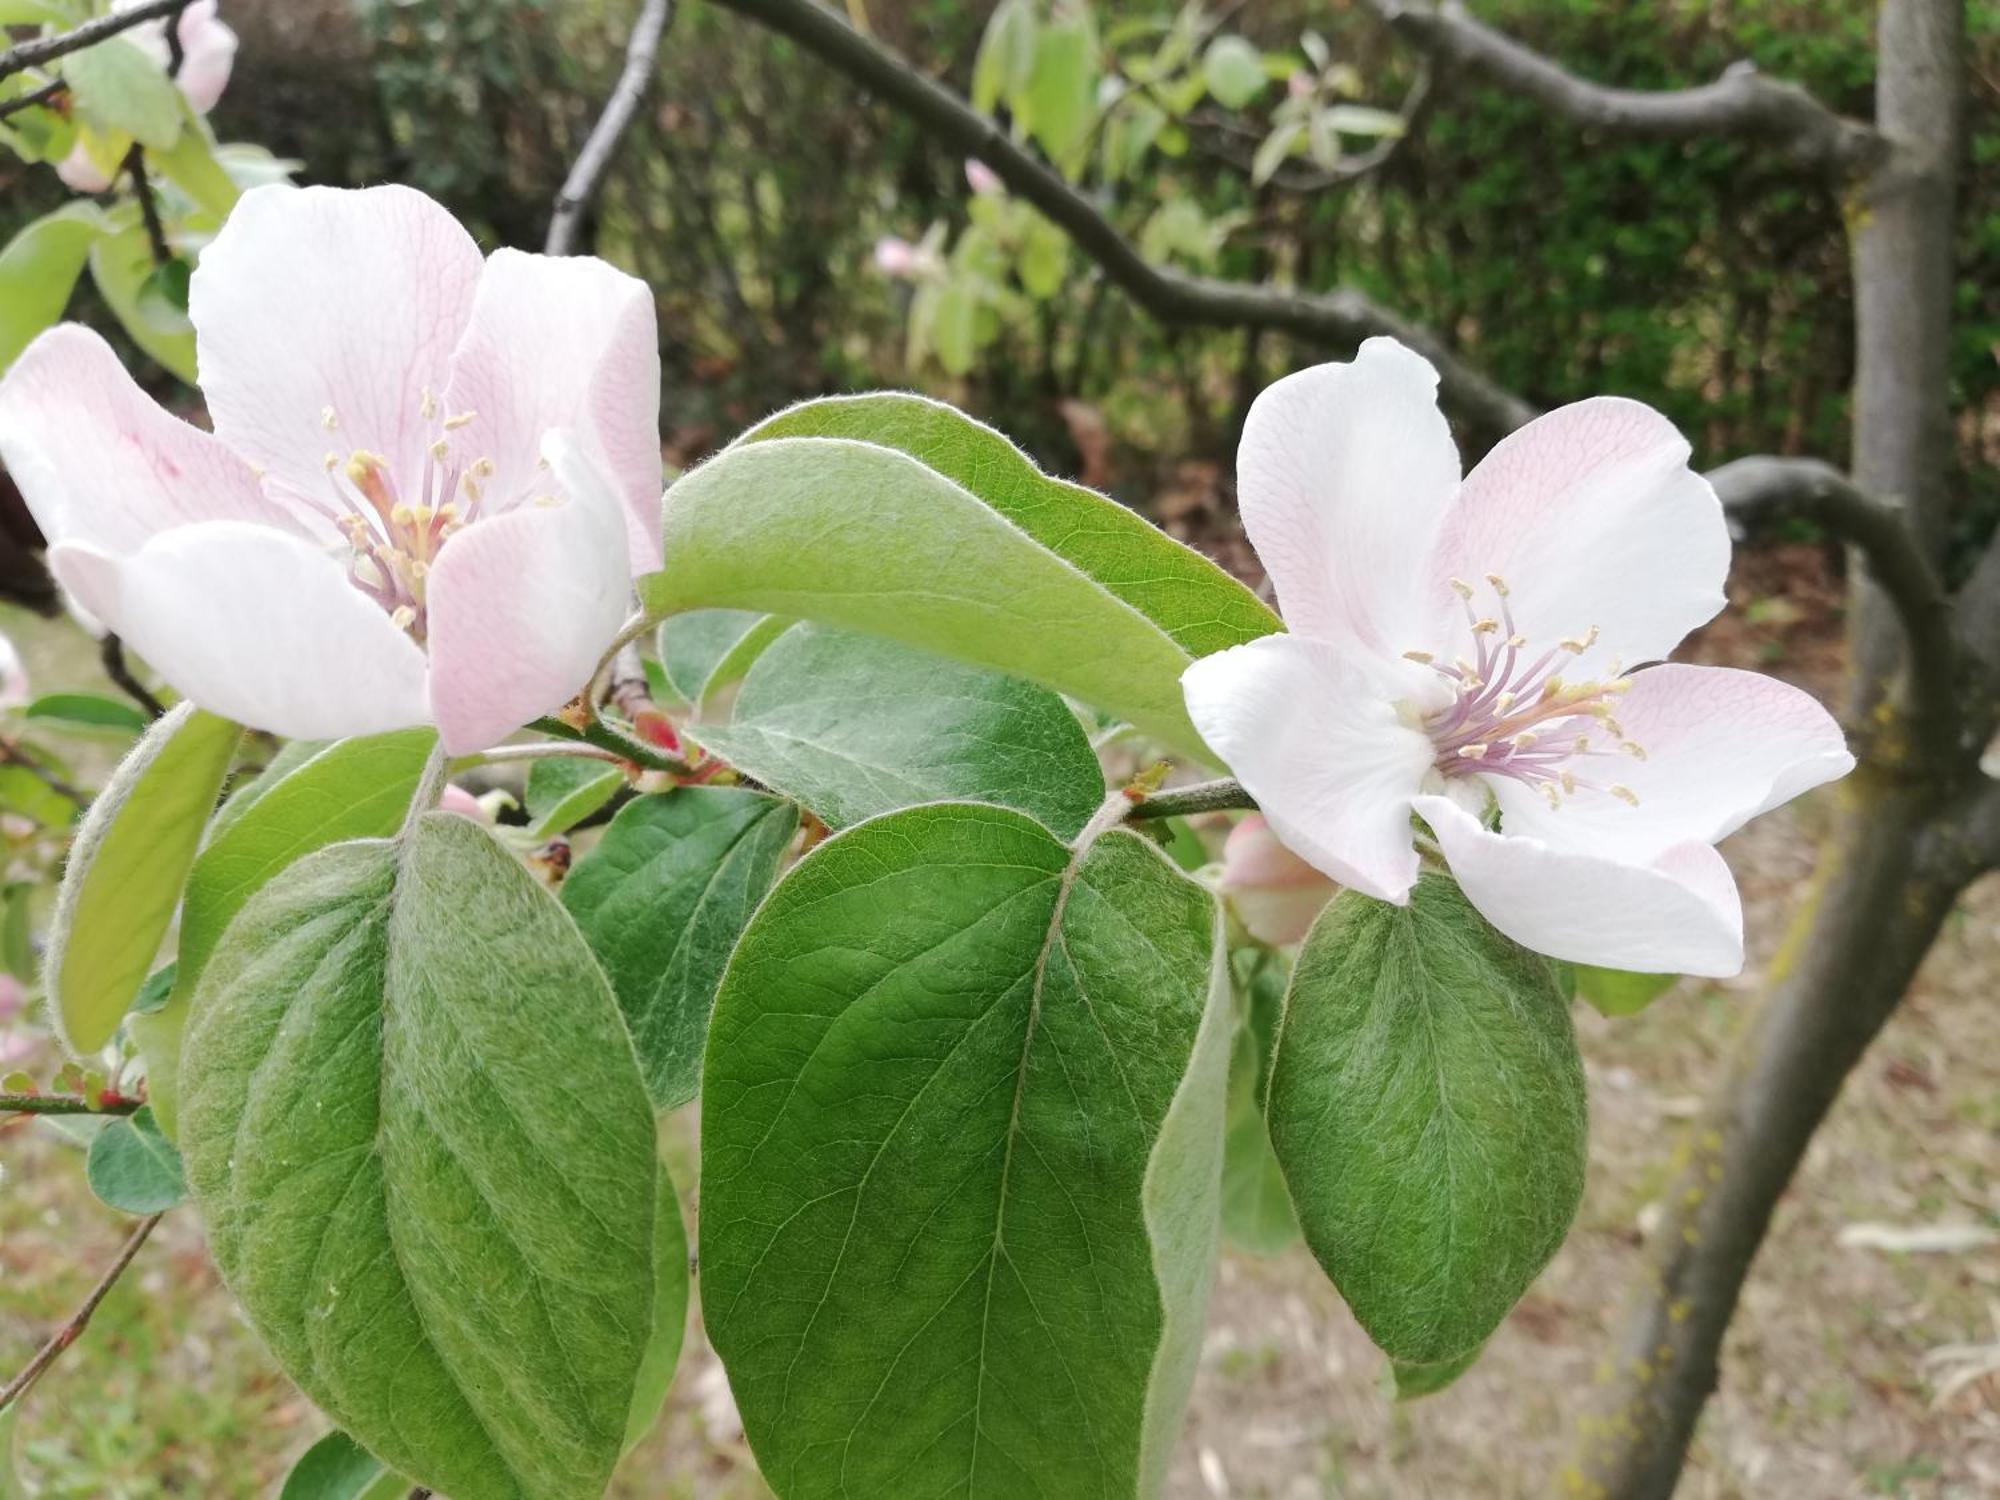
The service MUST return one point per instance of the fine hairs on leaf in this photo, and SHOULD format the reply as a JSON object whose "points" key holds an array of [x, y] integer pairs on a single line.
{"points": [[1427, 1108]]}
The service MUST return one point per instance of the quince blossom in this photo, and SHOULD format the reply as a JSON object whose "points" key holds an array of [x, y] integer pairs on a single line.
{"points": [[14, 690], [208, 53], [1460, 649], [431, 481]]}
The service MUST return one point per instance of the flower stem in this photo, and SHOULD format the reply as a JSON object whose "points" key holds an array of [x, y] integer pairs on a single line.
{"points": [[623, 746], [1204, 796], [71, 1331], [66, 1104]]}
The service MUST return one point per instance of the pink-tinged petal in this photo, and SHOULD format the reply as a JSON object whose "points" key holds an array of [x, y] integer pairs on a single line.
{"points": [[1318, 742], [1344, 476], [524, 605], [14, 690], [321, 300], [1721, 747], [1593, 518], [1273, 892], [1676, 914], [99, 461], [208, 53], [80, 174], [257, 626], [564, 343]]}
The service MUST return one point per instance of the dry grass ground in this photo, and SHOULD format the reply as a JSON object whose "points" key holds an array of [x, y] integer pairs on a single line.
{"points": [[1829, 1389]]}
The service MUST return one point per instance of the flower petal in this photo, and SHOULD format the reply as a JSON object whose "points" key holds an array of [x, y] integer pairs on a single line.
{"points": [[1721, 747], [257, 626], [1593, 517], [570, 343], [99, 461], [208, 53], [317, 300], [1344, 475], [1676, 914], [524, 605], [1318, 742]]}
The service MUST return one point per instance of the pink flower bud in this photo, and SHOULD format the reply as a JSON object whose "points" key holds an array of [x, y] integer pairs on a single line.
{"points": [[80, 174], [982, 178], [1274, 892], [14, 690], [895, 256], [1299, 84]]}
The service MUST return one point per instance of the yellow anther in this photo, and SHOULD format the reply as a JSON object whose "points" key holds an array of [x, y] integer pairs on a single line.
{"points": [[330, 462], [369, 473], [1549, 791], [1499, 584], [1523, 741], [440, 450], [1423, 658], [403, 516], [1618, 684], [1637, 752], [328, 418], [427, 403], [1486, 627], [1581, 745], [1578, 644], [548, 502], [1504, 702], [403, 617], [1612, 727], [1517, 641], [463, 419], [1461, 588], [1552, 688], [1569, 783], [483, 468], [1625, 794], [1472, 752]]}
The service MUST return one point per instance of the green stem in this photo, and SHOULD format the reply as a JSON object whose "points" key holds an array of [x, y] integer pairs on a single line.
{"points": [[606, 736], [1204, 796], [64, 1104]]}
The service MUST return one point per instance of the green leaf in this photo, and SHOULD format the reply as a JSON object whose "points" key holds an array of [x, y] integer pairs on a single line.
{"points": [[424, 1153], [564, 790], [1006, 58], [338, 1468], [88, 711], [352, 789], [134, 1168], [1408, 1382], [1059, 99], [38, 271], [670, 1308], [192, 167], [1273, 151], [930, 528], [116, 86], [1427, 1107], [1234, 71], [126, 869], [662, 899], [1257, 1210], [961, 1140], [1618, 992], [853, 725], [121, 265], [1359, 119], [696, 645], [24, 793], [1044, 257]]}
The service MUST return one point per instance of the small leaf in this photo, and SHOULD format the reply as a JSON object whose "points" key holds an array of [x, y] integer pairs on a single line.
{"points": [[1409, 1382], [121, 263], [338, 1468], [853, 725], [118, 87], [1273, 151], [192, 167], [38, 271], [88, 711], [564, 790], [960, 1146], [1006, 57], [1257, 1212], [662, 899], [126, 870], [1059, 98], [1234, 71], [670, 1309], [426, 1161], [1618, 992], [1427, 1108], [1361, 119], [698, 649], [358, 788], [133, 1168]]}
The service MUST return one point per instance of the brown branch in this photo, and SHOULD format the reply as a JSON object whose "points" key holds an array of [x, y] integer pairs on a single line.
{"points": [[642, 51], [32, 54], [149, 210], [71, 1331], [46, 94], [12, 754], [111, 652], [1743, 103], [1340, 318]]}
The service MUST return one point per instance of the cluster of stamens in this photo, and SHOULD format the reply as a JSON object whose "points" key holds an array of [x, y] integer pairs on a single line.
{"points": [[1514, 716], [394, 541]]}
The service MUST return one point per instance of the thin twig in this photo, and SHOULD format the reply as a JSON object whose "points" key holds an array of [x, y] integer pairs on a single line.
{"points": [[32, 54], [46, 94], [71, 1331], [545, 750], [112, 654], [67, 1104], [1222, 795], [142, 189], [642, 50], [1339, 318], [604, 735], [12, 754]]}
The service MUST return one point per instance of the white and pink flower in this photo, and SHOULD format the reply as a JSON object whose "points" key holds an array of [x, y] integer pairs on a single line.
{"points": [[431, 482], [1461, 650]]}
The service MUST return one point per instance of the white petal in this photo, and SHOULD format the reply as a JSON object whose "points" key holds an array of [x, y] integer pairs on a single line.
{"points": [[1593, 517], [1344, 477], [257, 626], [318, 300], [564, 343], [1722, 746], [1318, 742], [1676, 914], [524, 605], [99, 461]]}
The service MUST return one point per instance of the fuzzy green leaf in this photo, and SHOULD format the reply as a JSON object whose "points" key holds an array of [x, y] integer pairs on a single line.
{"points": [[338, 1468], [700, 650], [133, 1168], [1427, 1108], [564, 790], [670, 1310], [424, 1153], [662, 900], [126, 869], [1257, 1210], [117, 86], [855, 725], [960, 1153], [38, 271], [1408, 1382]]}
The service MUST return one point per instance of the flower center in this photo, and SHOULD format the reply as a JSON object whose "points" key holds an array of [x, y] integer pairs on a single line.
{"points": [[394, 540], [1512, 714]]}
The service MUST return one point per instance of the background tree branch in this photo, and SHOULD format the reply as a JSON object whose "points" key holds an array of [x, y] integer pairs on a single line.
{"points": [[586, 174], [1742, 103], [1340, 318]]}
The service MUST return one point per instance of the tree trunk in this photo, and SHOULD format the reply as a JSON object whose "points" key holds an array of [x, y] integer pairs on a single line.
{"points": [[1901, 851]]}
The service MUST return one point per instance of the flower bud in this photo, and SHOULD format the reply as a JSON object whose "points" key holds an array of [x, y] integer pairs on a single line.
{"points": [[1274, 893]]}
